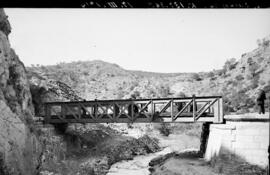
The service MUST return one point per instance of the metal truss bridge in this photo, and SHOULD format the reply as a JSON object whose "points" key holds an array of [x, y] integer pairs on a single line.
{"points": [[189, 109]]}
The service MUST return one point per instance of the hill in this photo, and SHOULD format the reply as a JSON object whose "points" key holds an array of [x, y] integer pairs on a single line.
{"points": [[237, 81]]}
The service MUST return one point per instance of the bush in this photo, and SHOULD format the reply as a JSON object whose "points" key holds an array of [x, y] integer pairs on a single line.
{"points": [[196, 77], [228, 108], [267, 89], [230, 64], [253, 67], [165, 129], [220, 72], [210, 74], [254, 83], [135, 94], [239, 77], [180, 94], [262, 82], [163, 91], [231, 82]]}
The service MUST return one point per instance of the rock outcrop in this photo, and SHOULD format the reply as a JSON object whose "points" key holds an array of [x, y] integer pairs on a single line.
{"points": [[44, 90], [19, 147]]}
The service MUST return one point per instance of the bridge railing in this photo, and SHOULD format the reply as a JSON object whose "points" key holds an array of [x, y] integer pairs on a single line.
{"points": [[189, 109]]}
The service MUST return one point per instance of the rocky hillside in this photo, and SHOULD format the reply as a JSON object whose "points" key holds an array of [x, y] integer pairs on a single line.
{"points": [[238, 80], [19, 146], [30, 148], [46, 90], [98, 79]]}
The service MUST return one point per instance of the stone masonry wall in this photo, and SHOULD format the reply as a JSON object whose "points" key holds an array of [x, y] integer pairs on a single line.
{"points": [[248, 140]]}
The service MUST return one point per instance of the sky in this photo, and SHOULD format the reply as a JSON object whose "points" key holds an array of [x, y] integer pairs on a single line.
{"points": [[156, 40]]}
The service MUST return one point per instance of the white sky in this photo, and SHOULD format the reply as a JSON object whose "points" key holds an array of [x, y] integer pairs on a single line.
{"points": [[159, 40]]}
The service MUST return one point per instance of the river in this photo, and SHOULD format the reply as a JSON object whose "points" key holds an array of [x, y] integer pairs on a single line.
{"points": [[139, 165]]}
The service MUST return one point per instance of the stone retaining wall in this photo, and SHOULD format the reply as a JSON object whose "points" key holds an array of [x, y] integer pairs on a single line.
{"points": [[247, 139]]}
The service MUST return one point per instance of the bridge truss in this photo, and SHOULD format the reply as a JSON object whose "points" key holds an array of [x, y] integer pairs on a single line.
{"points": [[189, 109]]}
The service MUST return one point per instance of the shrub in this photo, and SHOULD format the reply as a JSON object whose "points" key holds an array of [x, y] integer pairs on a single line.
{"points": [[210, 74], [265, 42], [239, 77], [228, 108], [232, 82], [165, 129], [260, 59], [253, 67], [262, 82], [220, 72], [120, 94], [180, 94], [249, 77], [254, 83], [266, 89], [230, 64], [129, 125], [196, 77], [163, 91], [136, 94]]}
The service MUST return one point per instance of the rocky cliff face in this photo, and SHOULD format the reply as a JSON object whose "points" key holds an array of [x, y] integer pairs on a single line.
{"points": [[19, 147]]}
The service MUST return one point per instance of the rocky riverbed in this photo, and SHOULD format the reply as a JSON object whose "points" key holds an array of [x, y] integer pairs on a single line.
{"points": [[91, 149], [170, 144]]}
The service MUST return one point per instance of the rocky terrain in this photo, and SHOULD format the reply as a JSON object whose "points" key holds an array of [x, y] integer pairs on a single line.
{"points": [[189, 162], [238, 80], [19, 146], [27, 147]]}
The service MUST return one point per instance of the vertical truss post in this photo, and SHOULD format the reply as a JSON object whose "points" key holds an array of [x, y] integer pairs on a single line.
{"points": [[152, 110], [47, 113], [171, 109], [221, 114], [79, 111], [132, 111], [193, 107], [95, 110], [63, 111], [114, 112]]}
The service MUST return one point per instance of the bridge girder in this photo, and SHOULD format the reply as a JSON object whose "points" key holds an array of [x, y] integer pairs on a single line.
{"points": [[189, 109]]}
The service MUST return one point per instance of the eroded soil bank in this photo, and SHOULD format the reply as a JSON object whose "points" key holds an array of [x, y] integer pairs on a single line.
{"points": [[91, 150]]}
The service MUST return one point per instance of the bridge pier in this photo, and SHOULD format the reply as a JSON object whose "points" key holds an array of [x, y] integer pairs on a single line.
{"points": [[204, 138], [244, 137], [60, 128]]}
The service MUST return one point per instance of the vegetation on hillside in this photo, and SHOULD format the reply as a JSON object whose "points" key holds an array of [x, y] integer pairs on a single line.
{"points": [[237, 81]]}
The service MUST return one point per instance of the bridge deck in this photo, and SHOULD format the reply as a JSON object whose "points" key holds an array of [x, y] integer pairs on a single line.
{"points": [[190, 109]]}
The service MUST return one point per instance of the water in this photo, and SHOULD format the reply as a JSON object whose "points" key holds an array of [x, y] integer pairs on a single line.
{"points": [[139, 165]]}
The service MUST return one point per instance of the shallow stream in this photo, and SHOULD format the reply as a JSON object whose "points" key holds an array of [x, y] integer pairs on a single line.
{"points": [[139, 165]]}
